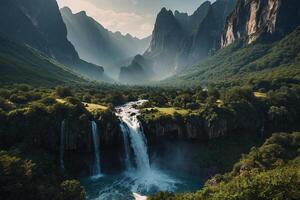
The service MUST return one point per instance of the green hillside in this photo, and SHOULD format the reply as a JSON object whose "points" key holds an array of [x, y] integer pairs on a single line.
{"points": [[21, 64], [239, 64], [268, 172]]}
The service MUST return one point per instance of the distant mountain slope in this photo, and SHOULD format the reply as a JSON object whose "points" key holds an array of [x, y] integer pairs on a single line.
{"points": [[38, 23], [179, 40], [257, 42], [21, 64], [138, 72], [98, 45], [240, 63]]}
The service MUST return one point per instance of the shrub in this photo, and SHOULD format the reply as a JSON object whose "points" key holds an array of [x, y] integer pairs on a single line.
{"points": [[63, 91], [16, 175], [23, 87], [48, 101], [267, 173], [5, 93], [72, 190], [18, 99], [4, 104]]}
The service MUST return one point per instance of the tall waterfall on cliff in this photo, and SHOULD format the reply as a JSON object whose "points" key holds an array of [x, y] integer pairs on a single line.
{"points": [[145, 177], [125, 131], [132, 127], [62, 144], [96, 172]]}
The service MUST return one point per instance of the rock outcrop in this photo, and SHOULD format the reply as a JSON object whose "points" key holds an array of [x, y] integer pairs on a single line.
{"points": [[205, 40], [264, 20], [39, 25], [191, 128], [166, 40]]}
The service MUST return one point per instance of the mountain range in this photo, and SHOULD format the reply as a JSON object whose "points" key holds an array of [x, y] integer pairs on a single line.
{"points": [[260, 42], [180, 40], [39, 25], [220, 42], [98, 45]]}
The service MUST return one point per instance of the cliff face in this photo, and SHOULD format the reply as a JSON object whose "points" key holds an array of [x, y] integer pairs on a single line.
{"points": [[206, 39], [181, 40], [193, 128], [38, 24], [28, 127], [261, 20], [166, 39]]}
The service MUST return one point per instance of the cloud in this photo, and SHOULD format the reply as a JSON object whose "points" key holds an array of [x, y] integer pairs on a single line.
{"points": [[125, 22]]}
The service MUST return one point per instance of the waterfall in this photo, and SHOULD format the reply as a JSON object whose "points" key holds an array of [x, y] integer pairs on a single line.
{"points": [[131, 126], [96, 172], [62, 144], [125, 132], [145, 178]]}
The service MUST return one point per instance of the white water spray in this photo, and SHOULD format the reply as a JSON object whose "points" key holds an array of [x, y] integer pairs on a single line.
{"points": [[145, 177], [62, 144], [132, 127], [96, 172], [127, 160]]}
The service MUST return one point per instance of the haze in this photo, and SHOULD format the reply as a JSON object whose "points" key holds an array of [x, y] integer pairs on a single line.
{"points": [[135, 17]]}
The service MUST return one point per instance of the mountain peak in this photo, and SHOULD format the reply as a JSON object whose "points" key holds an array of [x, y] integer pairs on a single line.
{"points": [[138, 57], [177, 12], [180, 14], [201, 8], [164, 9], [165, 12], [82, 13], [128, 35], [66, 10]]}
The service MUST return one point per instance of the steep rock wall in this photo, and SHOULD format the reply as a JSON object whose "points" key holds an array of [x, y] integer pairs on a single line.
{"points": [[261, 20]]}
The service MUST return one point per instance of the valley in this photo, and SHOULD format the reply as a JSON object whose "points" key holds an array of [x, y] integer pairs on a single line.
{"points": [[205, 107]]}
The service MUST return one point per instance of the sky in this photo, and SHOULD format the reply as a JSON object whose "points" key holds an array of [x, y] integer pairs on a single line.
{"points": [[136, 17]]}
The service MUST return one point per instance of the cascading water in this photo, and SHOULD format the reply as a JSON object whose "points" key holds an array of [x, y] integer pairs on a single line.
{"points": [[132, 127], [127, 160], [145, 177], [96, 172], [62, 144]]}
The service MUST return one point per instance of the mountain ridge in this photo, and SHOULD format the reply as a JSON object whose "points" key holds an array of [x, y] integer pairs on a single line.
{"points": [[98, 45], [39, 24], [22, 64]]}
